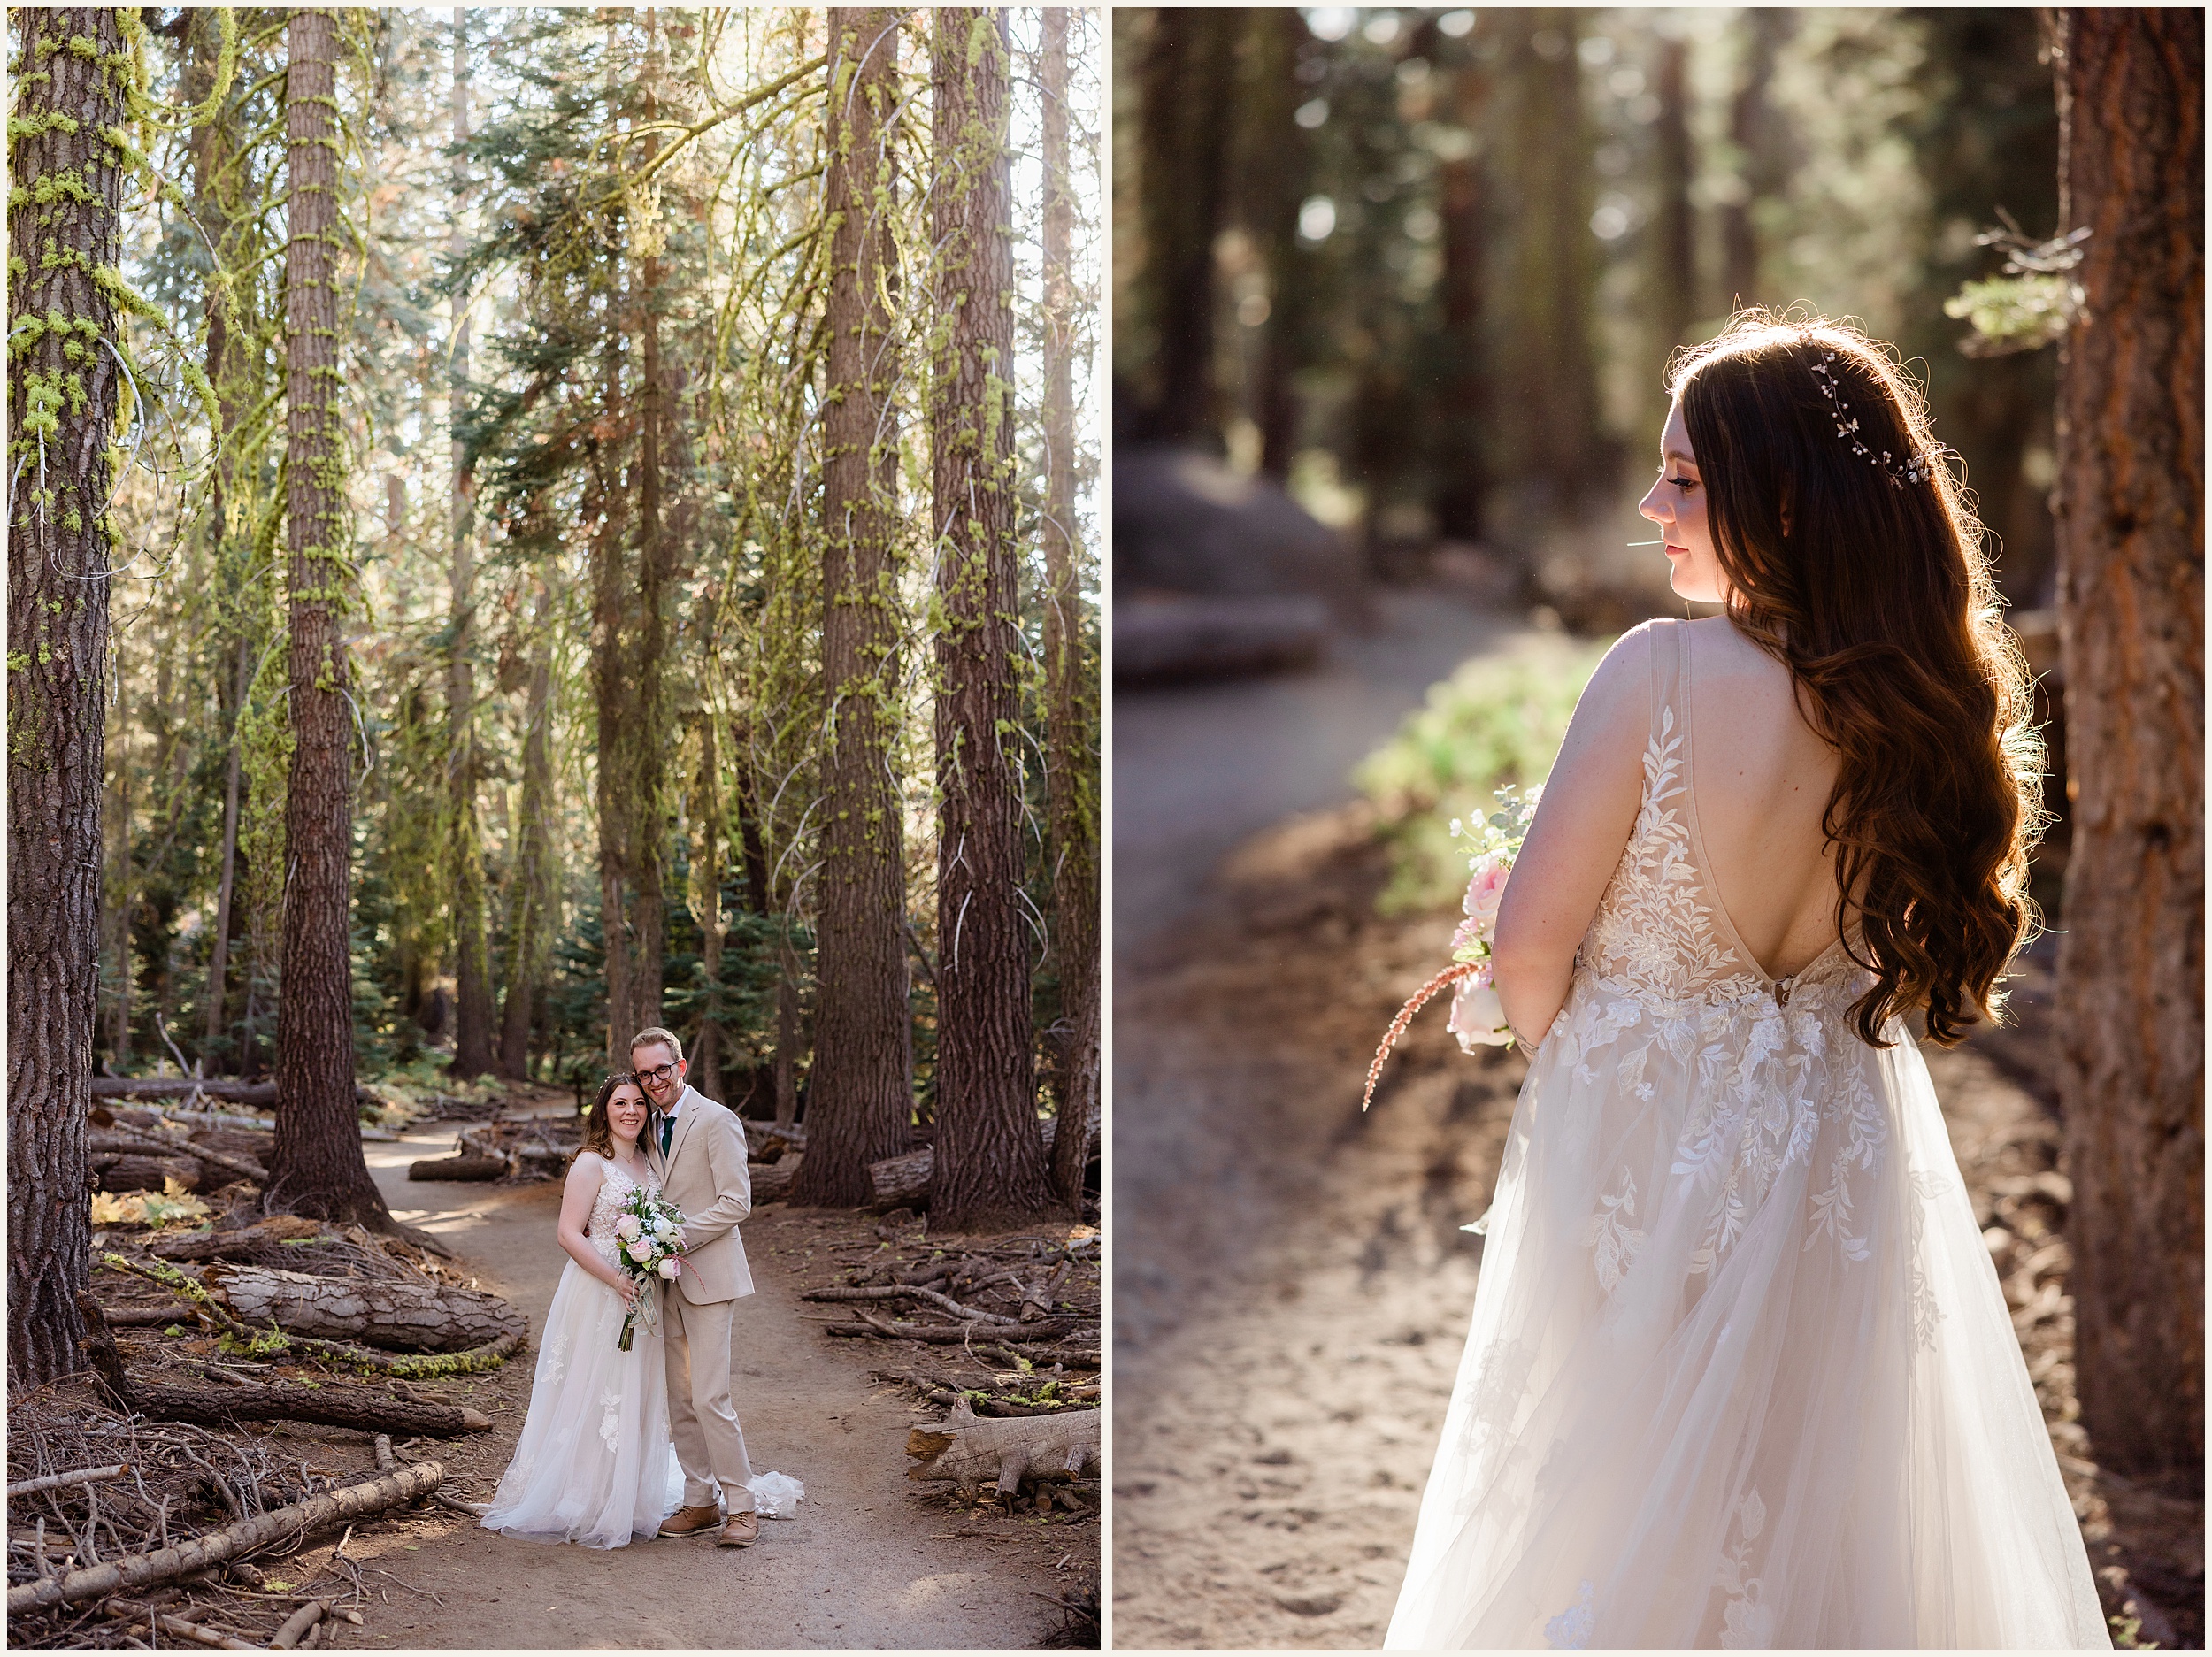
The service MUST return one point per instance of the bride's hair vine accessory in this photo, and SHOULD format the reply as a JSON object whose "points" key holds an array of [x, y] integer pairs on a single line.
{"points": [[1911, 469]]}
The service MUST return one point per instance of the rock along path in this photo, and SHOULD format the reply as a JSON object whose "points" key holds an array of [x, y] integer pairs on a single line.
{"points": [[862, 1565]]}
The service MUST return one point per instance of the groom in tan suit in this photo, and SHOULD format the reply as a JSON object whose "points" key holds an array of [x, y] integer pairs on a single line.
{"points": [[699, 1155]]}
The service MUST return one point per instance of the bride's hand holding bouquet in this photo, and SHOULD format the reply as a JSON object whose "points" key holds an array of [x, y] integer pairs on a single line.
{"points": [[649, 1250], [1478, 1016]]}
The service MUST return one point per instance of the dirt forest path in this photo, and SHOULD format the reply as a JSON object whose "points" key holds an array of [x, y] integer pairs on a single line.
{"points": [[1291, 1305], [861, 1565]]}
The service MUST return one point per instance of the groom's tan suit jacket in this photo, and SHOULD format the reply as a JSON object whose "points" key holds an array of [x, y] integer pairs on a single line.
{"points": [[704, 1173]]}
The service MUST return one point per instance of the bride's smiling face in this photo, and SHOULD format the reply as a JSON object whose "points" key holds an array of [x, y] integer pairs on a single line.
{"points": [[1677, 504], [625, 1114]]}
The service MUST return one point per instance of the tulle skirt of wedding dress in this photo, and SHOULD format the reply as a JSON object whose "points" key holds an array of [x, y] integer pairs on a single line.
{"points": [[1740, 1373], [595, 1463]]}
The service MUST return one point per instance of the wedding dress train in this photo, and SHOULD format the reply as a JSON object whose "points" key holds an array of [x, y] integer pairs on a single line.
{"points": [[595, 1463], [1740, 1373]]}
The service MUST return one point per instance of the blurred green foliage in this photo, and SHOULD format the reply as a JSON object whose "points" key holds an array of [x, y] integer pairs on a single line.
{"points": [[1497, 720]]}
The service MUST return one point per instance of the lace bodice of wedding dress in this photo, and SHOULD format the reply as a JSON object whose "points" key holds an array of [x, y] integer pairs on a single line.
{"points": [[595, 1463], [1740, 1372]]}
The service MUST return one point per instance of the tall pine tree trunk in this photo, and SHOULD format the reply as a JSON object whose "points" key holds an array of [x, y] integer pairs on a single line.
{"points": [[860, 1093], [1463, 414], [706, 873], [616, 702], [990, 1162], [2130, 541], [61, 418], [1674, 240], [472, 986], [649, 798], [530, 920], [1275, 174], [1070, 790], [317, 1167]]}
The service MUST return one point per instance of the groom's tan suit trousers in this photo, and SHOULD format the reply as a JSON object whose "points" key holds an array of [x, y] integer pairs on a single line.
{"points": [[704, 1173]]}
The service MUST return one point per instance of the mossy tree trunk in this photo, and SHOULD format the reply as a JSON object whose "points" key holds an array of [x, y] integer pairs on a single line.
{"points": [[530, 917], [860, 1093], [62, 385], [990, 1161], [2130, 544], [317, 1167], [1071, 777]]}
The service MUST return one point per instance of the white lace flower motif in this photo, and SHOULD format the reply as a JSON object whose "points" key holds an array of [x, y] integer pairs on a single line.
{"points": [[1570, 1631], [611, 1419]]}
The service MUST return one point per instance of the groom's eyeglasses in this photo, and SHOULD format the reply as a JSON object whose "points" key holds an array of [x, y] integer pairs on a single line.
{"points": [[658, 1073]]}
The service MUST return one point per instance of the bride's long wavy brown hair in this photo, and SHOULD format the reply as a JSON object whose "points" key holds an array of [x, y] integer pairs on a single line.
{"points": [[1874, 590]]}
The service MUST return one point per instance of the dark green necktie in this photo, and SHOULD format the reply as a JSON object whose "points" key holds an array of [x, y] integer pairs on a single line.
{"points": [[668, 1133]]}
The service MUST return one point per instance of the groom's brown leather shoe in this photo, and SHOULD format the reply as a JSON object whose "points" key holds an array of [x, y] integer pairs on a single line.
{"points": [[691, 1521], [742, 1530]]}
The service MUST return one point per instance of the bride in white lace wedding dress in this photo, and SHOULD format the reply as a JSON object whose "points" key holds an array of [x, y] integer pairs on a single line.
{"points": [[1740, 1373], [595, 1463]]}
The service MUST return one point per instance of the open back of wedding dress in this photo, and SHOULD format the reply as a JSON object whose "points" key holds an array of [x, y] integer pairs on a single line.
{"points": [[1740, 1373]]}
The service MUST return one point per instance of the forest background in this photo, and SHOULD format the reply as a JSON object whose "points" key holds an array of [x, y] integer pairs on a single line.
{"points": [[636, 469]]}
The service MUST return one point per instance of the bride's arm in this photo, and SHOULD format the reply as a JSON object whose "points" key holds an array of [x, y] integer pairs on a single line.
{"points": [[1582, 823], [577, 1196]]}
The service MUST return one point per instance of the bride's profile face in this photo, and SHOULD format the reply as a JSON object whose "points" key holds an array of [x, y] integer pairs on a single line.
{"points": [[1677, 504], [625, 1114]]}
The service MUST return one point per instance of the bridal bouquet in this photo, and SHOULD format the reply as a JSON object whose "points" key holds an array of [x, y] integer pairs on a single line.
{"points": [[1477, 1019], [648, 1246]]}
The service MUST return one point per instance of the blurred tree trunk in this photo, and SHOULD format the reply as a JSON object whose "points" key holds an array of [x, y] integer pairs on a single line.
{"points": [[1563, 446], [1751, 130], [656, 554], [530, 915], [59, 544], [1188, 98], [755, 853], [861, 1092], [472, 991], [1463, 404], [990, 1160], [317, 1167], [1071, 792], [1274, 174], [2131, 540], [1674, 233]]}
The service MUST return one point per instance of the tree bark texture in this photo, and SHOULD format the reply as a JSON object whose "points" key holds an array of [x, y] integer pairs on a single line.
{"points": [[530, 913], [1186, 101], [2131, 540], [63, 388], [317, 1167], [615, 698], [990, 1159], [706, 868], [1071, 671], [860, 1093], [472, 981]]}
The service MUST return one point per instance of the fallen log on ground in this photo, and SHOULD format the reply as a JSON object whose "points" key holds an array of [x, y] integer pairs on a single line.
{"points": [[960, 1334], [62, 1480], [120, 1176], [406, 1366], [181, 1087], [298, 1623], [771, 1181], [176, 1627], [967, 1448], [915, 1291], [325, 1404], [395, 1314], [277, 1228], [123, 1135], [458, 1168], [143, 1570]]}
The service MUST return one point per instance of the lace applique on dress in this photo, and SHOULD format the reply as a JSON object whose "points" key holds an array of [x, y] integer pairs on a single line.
{"points": [[1652, 934], [1570, 1631], [1613, 1240], [1747, 1623]]}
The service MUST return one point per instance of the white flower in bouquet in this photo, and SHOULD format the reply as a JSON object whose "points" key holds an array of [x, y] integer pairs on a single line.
{"points": [[627, 1227], [671, 1269], [1478, 1016]]}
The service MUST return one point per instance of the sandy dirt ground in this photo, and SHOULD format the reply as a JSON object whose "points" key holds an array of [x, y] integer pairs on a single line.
{"points": [[864, 1564], [1292, 1287]]}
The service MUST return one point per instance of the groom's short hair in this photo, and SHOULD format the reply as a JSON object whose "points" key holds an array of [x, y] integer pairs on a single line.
{"points": [[653, 1034]]}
